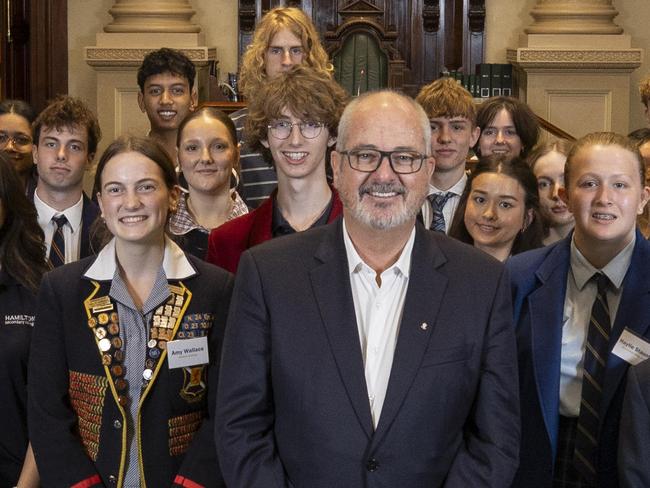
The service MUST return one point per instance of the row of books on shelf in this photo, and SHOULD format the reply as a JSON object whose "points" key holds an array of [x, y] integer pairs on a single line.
{"points": [[490, 80]]}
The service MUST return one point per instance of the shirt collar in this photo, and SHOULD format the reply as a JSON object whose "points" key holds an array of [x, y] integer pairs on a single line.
{"points": [[457, 189], [615, 270], [175, 264], [356, 263], [281, 227], [182, 221], [45, 212]]}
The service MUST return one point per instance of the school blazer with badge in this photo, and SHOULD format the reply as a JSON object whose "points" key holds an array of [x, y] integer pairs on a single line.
{"points": [[76, 391], [539, 279]]}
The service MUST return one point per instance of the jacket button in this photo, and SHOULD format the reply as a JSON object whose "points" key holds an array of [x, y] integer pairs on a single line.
{"points": [[117, 424], [372, 465], [112, 479]]}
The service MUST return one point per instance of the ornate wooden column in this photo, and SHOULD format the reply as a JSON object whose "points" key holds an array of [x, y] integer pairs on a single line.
{"points": [[138, 27], [573, 66]]}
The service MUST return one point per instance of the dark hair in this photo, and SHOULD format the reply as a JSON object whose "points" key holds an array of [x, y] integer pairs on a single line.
{"points": [[640, 136], [67, 111], [18, 107], [212, 113], [518, 169], [22, 250], [604, 139], [522, 116], [143, 145], [166, 60]]}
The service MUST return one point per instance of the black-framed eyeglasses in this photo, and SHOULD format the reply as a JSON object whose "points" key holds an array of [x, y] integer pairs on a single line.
{"points": [[281, 129], [18, 140], [368, 160]]}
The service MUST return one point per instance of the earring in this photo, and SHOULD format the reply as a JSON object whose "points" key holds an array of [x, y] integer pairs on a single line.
{"points": [[234, 176]]}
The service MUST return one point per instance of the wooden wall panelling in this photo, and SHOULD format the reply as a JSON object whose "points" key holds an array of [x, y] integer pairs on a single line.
{"points": [[431, 34], [15, 49], [475, 27], [49, 51]]}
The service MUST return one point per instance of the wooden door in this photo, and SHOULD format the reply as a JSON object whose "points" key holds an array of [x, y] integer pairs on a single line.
{"points": [[34, 51], [15, 51]]}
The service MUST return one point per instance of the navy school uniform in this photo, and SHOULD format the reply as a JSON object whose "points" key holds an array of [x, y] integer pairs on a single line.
{"points": [[77, 404], [17, 308]]}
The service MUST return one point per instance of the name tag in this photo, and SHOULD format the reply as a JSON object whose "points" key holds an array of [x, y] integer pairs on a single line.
{"points": [[632, 348], [187, 352]]}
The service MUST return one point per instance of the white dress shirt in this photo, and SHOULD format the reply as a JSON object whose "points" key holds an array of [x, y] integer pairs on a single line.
{"points": [[71, 231], [450, 207], [378, 311], [581, 293]]}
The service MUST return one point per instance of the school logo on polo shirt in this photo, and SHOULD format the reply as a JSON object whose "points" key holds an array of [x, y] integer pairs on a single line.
{"points": [[18, 319]]}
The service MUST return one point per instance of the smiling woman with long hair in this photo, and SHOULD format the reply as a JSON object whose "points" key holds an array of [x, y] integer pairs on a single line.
{"points": [[22, 264], [498, 211], [115, 399], [208, 155]]}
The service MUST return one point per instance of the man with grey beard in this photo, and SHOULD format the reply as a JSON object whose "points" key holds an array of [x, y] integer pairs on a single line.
{"points": [[370, 352]]}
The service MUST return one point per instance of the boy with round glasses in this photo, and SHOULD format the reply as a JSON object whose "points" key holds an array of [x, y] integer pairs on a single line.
{"points": [[285, 37], [293, 121]]}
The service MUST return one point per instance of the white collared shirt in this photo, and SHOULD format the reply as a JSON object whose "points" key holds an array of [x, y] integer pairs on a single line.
{"points": [[449, 210], [175, 263], [378, 312], [71, 231], [581, 293]]}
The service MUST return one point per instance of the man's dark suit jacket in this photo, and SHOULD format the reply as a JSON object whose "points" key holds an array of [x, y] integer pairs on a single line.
{"points": [[634, 438], [228, 241], [539, 280], [292, 403]]}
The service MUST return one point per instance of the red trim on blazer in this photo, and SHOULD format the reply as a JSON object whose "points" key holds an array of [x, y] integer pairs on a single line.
{"points": [[185, 482], [88, 482], [228, 241]]}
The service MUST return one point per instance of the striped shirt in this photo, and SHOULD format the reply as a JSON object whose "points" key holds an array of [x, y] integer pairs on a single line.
{"points": [[258, 178]]}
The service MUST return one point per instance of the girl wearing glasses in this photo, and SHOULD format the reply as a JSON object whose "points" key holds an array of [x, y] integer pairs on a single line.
{"points": [[16, 119], [209, 158], [293, 122], [498, 211]]}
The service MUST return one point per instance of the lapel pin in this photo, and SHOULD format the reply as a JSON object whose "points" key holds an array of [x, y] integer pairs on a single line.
{"points": [[424, 326]]}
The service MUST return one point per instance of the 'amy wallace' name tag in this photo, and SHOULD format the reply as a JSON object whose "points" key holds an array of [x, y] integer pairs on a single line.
{"points": [[632, 348], [187, 352]]}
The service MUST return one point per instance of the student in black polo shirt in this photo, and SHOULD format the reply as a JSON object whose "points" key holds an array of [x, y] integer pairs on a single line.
{"points": [[22, 263]]}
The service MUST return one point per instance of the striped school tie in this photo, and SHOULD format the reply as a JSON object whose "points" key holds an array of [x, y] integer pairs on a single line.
{"points": [[438, 201], [57, 248], [595, 365]]}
